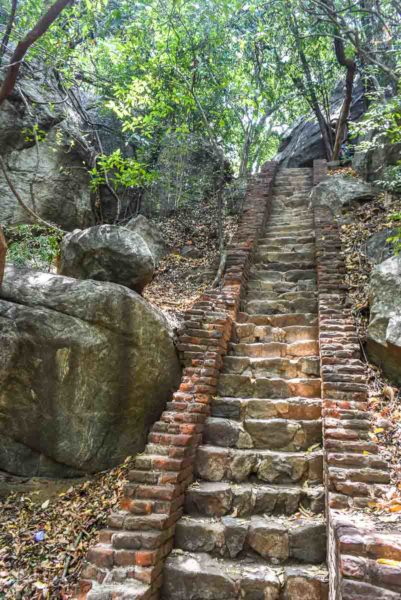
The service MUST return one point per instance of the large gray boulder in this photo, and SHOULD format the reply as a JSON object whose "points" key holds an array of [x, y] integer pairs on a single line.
{"points": [[85, 369], [107, 253], [151, 234], [384, 330], [341, 192]]}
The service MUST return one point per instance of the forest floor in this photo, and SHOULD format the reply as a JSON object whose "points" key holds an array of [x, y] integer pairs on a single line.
{"points": [[179, 280], [360, 223]]}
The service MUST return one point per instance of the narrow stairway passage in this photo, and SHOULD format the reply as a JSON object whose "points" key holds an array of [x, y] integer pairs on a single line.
{"points": [[254, 525]]}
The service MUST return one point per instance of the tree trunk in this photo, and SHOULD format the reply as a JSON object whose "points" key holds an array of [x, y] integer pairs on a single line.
{"points": [[23, 46], [10, 25], [345, 109], [3, 251]]}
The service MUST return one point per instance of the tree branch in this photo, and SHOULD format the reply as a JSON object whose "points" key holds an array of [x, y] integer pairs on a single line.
{"points": [[23, 46]]}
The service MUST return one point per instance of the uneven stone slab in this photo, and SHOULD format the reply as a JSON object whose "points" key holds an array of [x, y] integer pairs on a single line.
{"points": [[218, 464], [200, 577], [289, 408], [218, 499]]}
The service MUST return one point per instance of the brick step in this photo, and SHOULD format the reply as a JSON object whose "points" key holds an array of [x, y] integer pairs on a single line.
{"points": [[255, 365], [267, 408], [219, 499], [280, 320], [288, 275], [249, 333], [306, 305], [299, 348], [286, 435], [217, 464], [275, 539], [243, 386], [191, 576]]}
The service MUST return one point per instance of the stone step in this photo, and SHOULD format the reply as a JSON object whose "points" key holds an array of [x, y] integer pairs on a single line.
{"points": [[249, 333], [278, 247], [266, 408], [277, 539], [214, 463], [219, 499], [282, 287], [290, 229], [243, 386], [198, 576], [289, 239], [288, 275], [120, 590], [286, 435], [257, 366], [284, 256], [257, 291], [283, 268], [281, 320], [266, 307]]}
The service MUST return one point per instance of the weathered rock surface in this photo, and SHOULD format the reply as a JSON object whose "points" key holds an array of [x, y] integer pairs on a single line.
{"points": [[384, 331], [303, 143], [85, 368], [107, 253], [377, 248], [371, 164], [151, 234], [47, 172], [341, 192]]}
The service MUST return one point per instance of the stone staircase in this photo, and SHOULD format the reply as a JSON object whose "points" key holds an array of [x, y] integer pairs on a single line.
{"points": [[253, 526]]}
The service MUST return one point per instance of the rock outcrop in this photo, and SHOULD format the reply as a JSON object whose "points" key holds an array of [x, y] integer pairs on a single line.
{"points": [[377, 248], [384, 331], [303, 142], [371, 164], [40, 143], [107, 253], [341, 192], [85, 369], [151, 234]]}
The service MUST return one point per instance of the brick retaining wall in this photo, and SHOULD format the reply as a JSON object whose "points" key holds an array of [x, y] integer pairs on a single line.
{"points": [[140, 535], [355, 474]]}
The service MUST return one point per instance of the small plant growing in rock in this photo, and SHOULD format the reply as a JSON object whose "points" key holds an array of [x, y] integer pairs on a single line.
{"points": [[32, 246]]}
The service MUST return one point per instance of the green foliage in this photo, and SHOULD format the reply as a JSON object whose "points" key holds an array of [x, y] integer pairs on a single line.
{"points": [[392, 179], [395, 239], [32, 245], [124, 172]]}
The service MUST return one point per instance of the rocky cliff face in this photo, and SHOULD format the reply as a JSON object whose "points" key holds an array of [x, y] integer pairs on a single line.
{"points": [[44, 151]]}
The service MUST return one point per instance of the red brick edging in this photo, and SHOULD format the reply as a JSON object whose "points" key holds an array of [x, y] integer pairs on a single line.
{"points": [[354, 473], [140, 536]]}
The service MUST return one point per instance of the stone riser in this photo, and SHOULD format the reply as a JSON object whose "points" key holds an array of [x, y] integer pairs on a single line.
{"points": [[221, 464], [244, 500]]}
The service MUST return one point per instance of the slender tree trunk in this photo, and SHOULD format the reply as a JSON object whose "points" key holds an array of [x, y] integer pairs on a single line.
{"points": [[3, 252], [23, 46], [350, 65], [309, 89], [345, 109], [9, 28]]}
